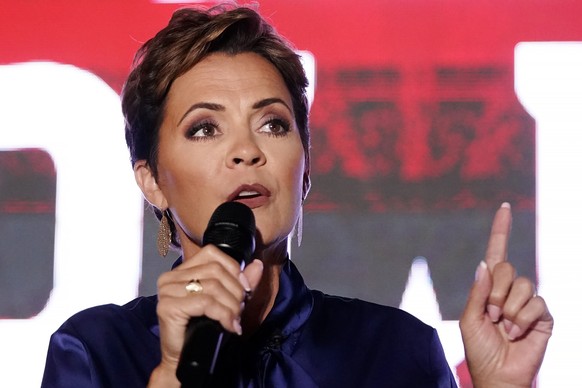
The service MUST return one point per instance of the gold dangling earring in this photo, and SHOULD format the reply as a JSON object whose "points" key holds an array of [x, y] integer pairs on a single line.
{"points": [[164, 235]]}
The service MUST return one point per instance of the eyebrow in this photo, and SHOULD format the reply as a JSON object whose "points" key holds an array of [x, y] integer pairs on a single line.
{"points": [[270, 101], [220, 108], [202, 105]]}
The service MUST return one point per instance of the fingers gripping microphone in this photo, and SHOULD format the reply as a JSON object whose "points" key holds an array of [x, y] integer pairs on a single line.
{"points": [[232, 229]]}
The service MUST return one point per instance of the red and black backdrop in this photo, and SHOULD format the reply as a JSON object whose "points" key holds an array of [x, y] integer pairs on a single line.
{"points": [[417, 136]]}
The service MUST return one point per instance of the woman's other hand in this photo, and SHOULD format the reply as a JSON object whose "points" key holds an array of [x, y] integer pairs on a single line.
{"points": [[505, 325], [224, 288]]}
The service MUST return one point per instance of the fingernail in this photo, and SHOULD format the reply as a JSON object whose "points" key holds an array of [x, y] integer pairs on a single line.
{"points": [[514, 332], [506, 205], [494, 312], [237, 326], [479, 272], [244, 281], [262, 264]]}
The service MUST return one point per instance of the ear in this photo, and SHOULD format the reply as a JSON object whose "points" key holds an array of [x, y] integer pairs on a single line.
{"points": [[146, 181]]}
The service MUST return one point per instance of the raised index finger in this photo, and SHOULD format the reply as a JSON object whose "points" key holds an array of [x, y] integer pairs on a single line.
{"points": [[499, 238]]}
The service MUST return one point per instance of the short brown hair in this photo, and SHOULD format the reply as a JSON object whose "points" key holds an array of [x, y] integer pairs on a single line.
{"points": [[190, 36]]}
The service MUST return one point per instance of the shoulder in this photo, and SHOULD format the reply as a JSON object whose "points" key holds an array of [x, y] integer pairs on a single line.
{"points": [[383, 328], [139, 312], [381, 343], [367, 315], [140, 308], [104, 346]]}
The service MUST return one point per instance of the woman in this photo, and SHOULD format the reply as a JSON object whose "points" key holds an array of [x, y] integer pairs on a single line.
{"points": [[216, 112]]}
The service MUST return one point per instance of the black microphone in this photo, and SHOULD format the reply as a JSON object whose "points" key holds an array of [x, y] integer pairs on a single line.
{"points": [[232, 229]]}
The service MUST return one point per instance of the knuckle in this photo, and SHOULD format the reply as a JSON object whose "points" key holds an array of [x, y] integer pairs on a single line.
{"points": [[524, 285], [204, 300], [541, 301], [510, 312], [497, 297], [504, 269], [214, 268], [538, 304], [163, 308], [210, 285], [163, 279], [218, 311]]}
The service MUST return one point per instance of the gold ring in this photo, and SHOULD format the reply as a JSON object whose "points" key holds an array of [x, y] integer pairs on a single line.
{"points": [[194, 287]]}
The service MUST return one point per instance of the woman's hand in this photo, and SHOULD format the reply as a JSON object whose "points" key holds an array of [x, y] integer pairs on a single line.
{"points": [[505, 325], [222, 298]]}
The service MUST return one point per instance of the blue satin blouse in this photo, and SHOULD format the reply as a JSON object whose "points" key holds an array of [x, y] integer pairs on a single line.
{"points": [[309, 339]]}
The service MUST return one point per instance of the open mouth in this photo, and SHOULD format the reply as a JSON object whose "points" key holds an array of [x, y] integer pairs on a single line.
{"points": [[247, 195], [255, 195]]}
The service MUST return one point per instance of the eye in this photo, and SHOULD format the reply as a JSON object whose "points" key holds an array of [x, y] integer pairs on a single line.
{"points": [[276, 126], [203, 130]]}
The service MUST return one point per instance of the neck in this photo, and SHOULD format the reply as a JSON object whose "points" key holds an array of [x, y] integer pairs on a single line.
{"points": [[261, 302]]}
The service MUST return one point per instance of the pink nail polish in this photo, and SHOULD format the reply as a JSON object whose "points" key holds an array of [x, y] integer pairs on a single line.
{"points": [[262, 264], [506, 205], [514, 332], [480, 270], [237, 326], [244, 282], [494, 312]]}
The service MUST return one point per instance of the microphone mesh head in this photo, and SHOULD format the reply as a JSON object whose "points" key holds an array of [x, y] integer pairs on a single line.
{"points": [[232, 229], [235, 213]]}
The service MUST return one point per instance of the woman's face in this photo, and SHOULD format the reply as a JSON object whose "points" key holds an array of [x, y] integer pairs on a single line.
{"points": [[229, 134]]}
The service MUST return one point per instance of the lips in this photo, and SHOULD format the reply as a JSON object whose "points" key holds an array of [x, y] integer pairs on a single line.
{"points": [[253, 196]]}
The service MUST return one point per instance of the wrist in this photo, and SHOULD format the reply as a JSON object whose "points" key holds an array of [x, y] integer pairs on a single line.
{"points": [[163, 377], [498, 384]]}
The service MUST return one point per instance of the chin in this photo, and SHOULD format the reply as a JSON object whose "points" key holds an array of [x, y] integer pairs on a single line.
{"points": [[267, 240]]}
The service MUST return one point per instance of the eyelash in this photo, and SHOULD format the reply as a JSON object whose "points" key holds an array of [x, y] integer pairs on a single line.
{"points": [[284, 124], [209, 124], [201, 126]]}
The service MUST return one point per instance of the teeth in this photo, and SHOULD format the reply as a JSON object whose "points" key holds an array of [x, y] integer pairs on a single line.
{"points": [[248, 193]]}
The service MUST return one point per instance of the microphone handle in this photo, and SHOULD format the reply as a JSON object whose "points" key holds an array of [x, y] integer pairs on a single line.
{"points": [[202, 344], [204, 340]]}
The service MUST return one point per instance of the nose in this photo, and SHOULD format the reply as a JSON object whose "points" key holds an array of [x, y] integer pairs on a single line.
{"points": [[245, 151]]}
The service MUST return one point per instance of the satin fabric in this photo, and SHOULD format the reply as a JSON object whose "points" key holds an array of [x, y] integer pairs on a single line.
{"points": [[309, 339]]}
